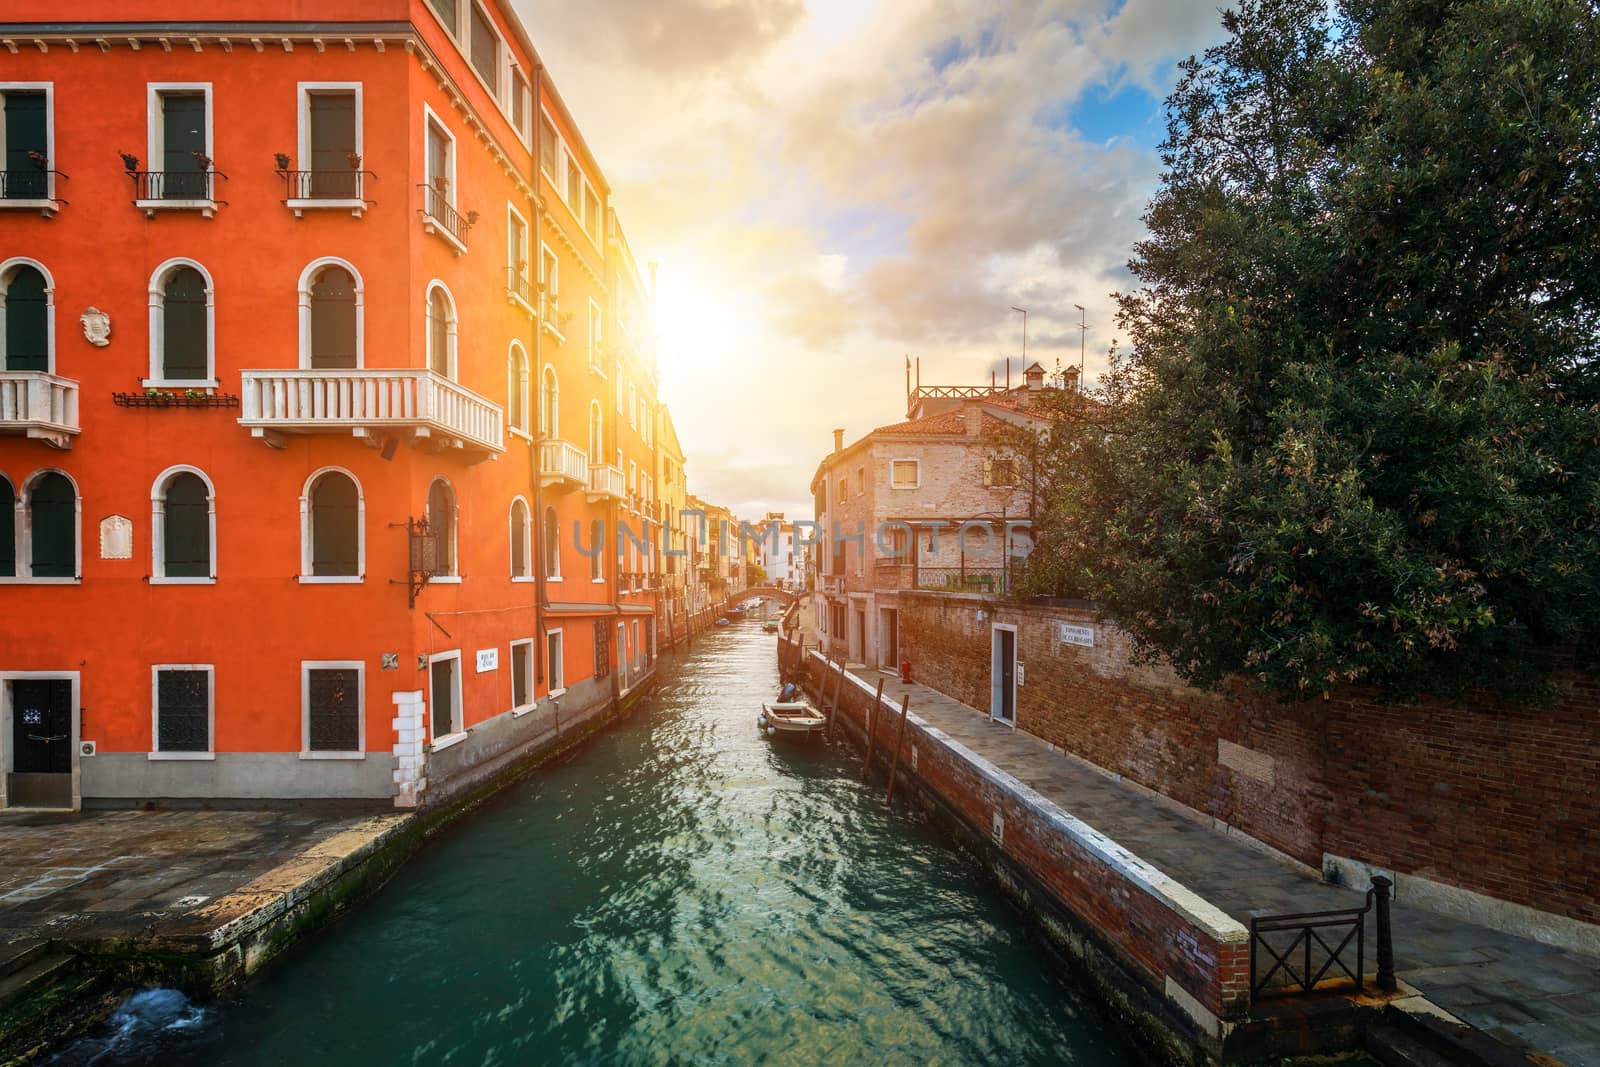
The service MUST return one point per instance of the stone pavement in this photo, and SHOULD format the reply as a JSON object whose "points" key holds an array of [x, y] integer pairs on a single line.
{"points": [[1526, 994], [113, 874]]}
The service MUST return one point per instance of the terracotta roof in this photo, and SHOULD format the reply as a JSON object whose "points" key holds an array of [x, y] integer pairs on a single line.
{"points": [[945, 423]]}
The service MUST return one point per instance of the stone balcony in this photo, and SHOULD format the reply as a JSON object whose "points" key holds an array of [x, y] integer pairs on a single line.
{"points": [[420, 405], [563, 465], [607, 483], [39, 405]]}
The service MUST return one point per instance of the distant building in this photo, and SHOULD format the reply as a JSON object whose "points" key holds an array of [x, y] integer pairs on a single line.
{"points": [[783, 555], [943, 500]]}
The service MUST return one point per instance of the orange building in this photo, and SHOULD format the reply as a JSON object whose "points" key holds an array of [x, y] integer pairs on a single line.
{"points": [[303, 400]]}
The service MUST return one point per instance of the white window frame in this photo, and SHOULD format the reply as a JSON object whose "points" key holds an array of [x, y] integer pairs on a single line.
{"points": [[47, 205], [23, 531], [458, 712], [9, 266], [596, 335], [306, 667], [453, 578], [552, 552], [502, 51], [430, 222], [523, 369], [157, 298], [452, 328], [527, 539], [633, 406], [210, 752], [158, 525], [522, 646], [553, 430], [549, 289], [597, 432], [555, 670], [305, 308], [303, 94], [512, 257], [916, 465], [306, 577], [154, 143]]}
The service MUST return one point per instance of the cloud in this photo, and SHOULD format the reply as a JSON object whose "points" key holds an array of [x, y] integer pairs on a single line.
{"points": [[671, 36]]}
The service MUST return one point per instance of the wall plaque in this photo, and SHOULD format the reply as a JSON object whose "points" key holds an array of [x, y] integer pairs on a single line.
{"points": [[116, 537]]}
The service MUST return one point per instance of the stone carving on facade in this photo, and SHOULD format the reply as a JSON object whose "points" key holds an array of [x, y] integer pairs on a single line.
{"points": [[116, 537], [96, 327]]}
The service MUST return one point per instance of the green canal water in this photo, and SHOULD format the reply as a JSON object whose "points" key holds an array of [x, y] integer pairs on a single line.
{"points": [[681, 890]]}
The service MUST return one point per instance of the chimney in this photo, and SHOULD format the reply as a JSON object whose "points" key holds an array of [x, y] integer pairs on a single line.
{"points": [[1034, 376], [972, 417], [838, 440]]}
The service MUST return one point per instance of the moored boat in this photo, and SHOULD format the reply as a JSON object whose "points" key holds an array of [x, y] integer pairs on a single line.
{"points": [[791, 714]]}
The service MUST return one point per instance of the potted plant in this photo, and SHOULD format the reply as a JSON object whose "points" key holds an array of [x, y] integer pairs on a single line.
{"points": [[281, 159], [130, 162], [202, 159], [39, 159], [354, 159]]}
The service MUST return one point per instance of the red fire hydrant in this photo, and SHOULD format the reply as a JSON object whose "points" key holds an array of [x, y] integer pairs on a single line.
{"points": [[905, 671]]}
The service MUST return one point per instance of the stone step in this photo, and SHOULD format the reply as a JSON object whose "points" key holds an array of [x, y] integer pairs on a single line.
{"points": [[16, 955], [1396, 1047], [35, 974]]}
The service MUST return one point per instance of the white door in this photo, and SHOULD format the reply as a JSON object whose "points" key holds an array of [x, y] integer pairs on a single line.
{"points": [[1003, 674]]}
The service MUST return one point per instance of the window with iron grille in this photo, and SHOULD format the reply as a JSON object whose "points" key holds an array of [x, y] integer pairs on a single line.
{"points": [[183, 709], [333, 709], [602, 650]]}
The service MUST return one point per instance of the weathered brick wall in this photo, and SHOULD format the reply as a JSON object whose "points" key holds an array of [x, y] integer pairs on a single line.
{"points": [[1152, 939], [1499, 800]]}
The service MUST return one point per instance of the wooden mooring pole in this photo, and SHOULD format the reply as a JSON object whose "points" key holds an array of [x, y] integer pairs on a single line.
{"points": [[833, 710], [894, 766], [872, 718]]}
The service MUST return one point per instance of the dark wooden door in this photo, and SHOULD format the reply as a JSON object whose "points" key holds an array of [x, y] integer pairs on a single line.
{"points": [[444, 697], [183, 135], [41, 726]]}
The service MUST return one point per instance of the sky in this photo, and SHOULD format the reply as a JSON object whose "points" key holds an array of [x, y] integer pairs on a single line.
{"points": [[831, 186]]}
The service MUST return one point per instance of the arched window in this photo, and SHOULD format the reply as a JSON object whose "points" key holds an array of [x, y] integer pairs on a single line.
{"points": [[517, 388], [442, 525], [597, 433], [331, 316], [333, 513], [441, 331], [597, 562], [26, 296], [549, 404], [181, 323], [8, 530], [552, 544], [52, 517], [182, 526], [521, 537]]}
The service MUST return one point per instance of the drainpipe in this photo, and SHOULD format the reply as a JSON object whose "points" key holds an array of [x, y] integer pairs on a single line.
{"points": [[541, 601]]}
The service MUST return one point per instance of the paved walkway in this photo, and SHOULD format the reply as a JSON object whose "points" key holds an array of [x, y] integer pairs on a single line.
{"points": [[1525, 994], [99, 874]]}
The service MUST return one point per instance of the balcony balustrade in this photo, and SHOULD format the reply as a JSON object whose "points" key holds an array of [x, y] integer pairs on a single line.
{"points": [[439, 216], [342, 189], [39, 405], [563, 465], [181, 190], [366, 403], [606, 483]]}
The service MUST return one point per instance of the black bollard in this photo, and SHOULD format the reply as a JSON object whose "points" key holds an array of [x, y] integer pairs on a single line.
{"points": [[1380, 889]]}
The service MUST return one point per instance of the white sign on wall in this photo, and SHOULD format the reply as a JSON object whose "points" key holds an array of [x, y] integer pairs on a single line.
{"points": [[1077, 635], [116, 537], [488, 659]]}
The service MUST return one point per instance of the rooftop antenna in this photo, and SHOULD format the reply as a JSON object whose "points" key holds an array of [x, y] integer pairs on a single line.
{"points": [[1083, 341], [1024, 334]]}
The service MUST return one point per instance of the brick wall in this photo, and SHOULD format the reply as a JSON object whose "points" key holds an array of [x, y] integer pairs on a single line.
{"points": [[1496, 799]]}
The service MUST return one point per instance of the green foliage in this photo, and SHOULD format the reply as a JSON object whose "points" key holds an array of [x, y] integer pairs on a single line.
{"points": [[1357, 438]]}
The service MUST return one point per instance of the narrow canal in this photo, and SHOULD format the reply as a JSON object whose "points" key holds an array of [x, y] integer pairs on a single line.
{"points": [[679, 891]]}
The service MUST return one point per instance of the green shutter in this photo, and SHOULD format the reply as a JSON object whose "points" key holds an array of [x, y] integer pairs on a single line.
{"points": [[8, 530], [53, 508], [333, 320], [183, 134], [26, 132], [335, 527], [333, 142], [27, 322], [186, 547], [520, 694], [442, 692], [183, 327]]}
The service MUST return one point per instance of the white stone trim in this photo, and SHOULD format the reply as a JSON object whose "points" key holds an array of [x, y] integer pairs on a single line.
{"points": [[452, 325], [458, 713], [6, 731], [306, 576], [7, 268], [158, 526], [306, 667], [210, 752], [524, 647], [156, 304], [303, 289]]}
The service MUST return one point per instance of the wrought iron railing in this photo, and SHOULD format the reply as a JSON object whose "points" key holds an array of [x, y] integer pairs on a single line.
{"points": [[175, 184], [326, 184], [519, 286], [436, 206], [1314, 946], [31, 183]]}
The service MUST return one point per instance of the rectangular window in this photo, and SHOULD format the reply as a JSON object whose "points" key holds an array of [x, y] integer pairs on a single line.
{"points": [[633, 406], [333, 701], [574, 188], [905, 474], [1000, 473], [591, 214], [517, 251], [861, 481], [448, 14], [596, 332], [521, 97], [549, 280], [441, 163], [183, 695], [844, 488], [549, 150], [444, 694], [556, 668], [179, 143], [27, 145], [485, 50], [521, 675], [330, 144]]}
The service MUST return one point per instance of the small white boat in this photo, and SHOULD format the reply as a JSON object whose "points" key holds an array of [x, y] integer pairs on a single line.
{"points": [[795, 718]]}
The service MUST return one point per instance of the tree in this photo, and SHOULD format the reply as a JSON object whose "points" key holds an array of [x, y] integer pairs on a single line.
{"points": [[1356, 440]]}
